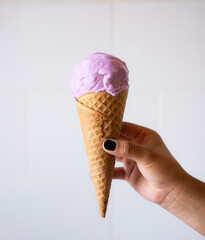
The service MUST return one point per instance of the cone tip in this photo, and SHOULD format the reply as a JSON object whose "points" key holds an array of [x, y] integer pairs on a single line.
{"points": [[102, 213], [102, 206]]}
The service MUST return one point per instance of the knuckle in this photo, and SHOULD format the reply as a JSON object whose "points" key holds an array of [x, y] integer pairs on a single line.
{"points": [[126, 148], [155, 134], [156, 138]]}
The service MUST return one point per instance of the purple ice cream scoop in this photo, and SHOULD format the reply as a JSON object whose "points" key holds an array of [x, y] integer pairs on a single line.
{"points": [[99, 72]]}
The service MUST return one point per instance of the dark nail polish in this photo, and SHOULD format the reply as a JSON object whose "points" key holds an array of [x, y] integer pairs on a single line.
{"points": [[109, 145]]}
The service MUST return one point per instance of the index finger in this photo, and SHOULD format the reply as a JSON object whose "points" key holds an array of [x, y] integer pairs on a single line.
{"points": [[134, 132]]}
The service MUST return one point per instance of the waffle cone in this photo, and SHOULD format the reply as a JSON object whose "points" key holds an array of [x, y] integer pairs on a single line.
{"points": [[101, 118]]}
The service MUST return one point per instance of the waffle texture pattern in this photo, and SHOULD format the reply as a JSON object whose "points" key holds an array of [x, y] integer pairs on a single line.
{"points": [[101, 116]]}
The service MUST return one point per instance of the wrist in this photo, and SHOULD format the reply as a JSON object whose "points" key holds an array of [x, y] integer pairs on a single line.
{"points": [[176, 201], [186, 201]]}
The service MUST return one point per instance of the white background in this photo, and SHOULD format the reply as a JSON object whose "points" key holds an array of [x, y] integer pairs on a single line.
{"points": [[45, 191]]}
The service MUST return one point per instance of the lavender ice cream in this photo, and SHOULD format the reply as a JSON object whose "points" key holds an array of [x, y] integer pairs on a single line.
{"points": [[99, 72]]}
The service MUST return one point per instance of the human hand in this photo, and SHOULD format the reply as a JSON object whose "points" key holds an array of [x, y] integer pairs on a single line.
{"points": [[148, 166], [152, 171]]}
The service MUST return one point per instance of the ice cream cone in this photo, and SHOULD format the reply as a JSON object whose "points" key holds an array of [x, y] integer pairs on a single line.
{"points": [[101, 118]]}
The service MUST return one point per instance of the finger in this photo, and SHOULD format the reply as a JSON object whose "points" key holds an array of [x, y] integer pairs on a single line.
{"points": [[119, 173], [119, 159], [126, 149], [132, 131], [123, 138], [122, 159]]}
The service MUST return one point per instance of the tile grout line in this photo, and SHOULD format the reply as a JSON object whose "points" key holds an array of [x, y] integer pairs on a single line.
{"points": [[85, 1], [159, 112], [112, 25], [35, 90], [27, 165], [112, 213]]}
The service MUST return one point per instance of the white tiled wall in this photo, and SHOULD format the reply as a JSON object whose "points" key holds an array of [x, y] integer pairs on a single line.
{"points": [[12, 132], [54, 129], [45, 191]]}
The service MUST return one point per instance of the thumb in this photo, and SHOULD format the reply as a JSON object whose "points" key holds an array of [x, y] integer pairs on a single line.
{"points": [[126, 149]]}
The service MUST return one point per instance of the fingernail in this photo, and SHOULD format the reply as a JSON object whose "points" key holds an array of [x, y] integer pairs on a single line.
{"points": [[109, 145]]}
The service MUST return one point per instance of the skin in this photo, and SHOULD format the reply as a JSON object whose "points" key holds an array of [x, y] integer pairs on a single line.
{"points": [[152, 171]]}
